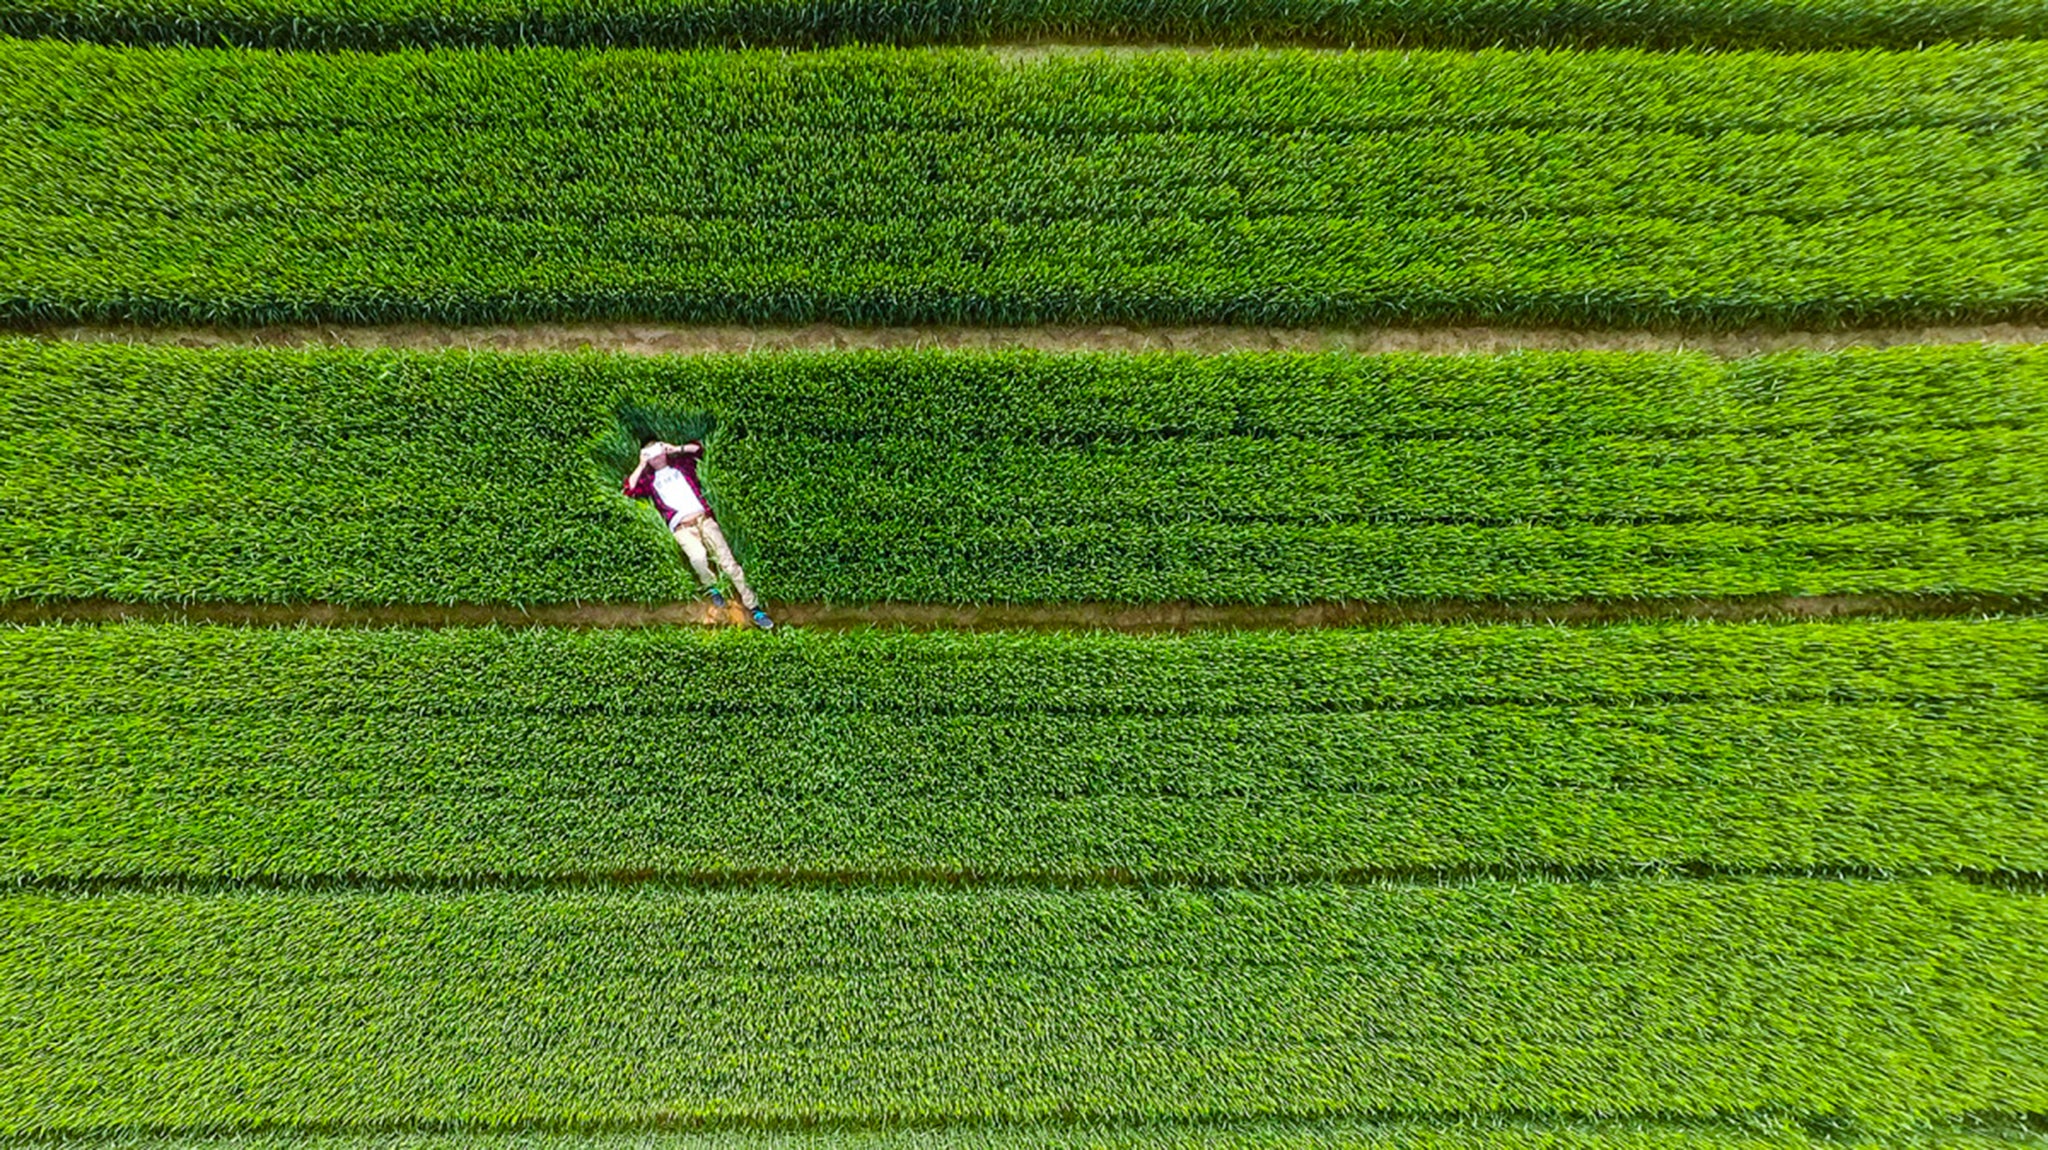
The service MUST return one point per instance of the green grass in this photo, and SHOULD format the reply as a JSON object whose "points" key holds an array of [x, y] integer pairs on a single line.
{"points": [[204, 752], [903, 186], [1325, 1134], [166, 475], [1876, 1005], [1643, 887], [384, 24]]}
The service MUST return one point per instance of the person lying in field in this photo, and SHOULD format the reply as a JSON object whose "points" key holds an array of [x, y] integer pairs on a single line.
{"points": [[668, 475]]}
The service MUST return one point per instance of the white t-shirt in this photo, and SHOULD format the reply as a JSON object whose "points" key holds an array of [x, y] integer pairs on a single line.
{"points": [[675, 491]]}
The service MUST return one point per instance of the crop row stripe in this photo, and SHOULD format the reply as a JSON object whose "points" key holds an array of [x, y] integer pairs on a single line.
{"points": [[1924, 1007]]}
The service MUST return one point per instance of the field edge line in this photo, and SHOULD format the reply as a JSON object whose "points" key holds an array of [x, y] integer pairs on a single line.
{"points": [[658, 338], [1172, 617]]}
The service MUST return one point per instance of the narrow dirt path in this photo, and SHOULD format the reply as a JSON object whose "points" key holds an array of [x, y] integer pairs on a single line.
{"points": [[1142, 618], [663, 339]]}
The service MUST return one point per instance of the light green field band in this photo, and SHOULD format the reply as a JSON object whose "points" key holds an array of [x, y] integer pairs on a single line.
{"points": [[162, 475], [1888, 1005]]}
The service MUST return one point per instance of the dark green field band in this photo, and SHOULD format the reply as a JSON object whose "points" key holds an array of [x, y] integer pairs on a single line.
{"points": [[384, 24], [162, 475], [891, 186]]}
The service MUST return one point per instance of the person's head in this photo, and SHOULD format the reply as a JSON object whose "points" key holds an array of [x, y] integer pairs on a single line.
{"points": [[654, 453]]}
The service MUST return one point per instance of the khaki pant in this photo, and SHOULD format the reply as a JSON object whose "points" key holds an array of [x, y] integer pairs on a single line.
{"points": [[695, 538]]}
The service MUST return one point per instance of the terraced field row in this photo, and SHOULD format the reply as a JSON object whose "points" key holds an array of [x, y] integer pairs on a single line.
{"points": [[163, 475], [198, 751], [894, 186], [586, 1006], [1777, 24]]}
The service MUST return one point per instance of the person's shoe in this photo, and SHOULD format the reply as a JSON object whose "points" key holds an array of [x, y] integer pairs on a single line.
{"points": [[762, 620], [717, 596]]}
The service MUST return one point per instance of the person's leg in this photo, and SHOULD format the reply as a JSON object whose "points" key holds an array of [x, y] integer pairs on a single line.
{"points": [[715, 539], [692, 542]]}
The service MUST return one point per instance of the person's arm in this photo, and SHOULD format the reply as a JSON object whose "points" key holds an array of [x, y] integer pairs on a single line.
{"points": [[636, 483]]}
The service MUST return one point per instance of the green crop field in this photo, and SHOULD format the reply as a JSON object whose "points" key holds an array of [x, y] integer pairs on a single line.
{"points": [[384, 24], [908, 186], [1257, 1134], [1619, 747], [1634, 997], [164, 475], [190, 753]]}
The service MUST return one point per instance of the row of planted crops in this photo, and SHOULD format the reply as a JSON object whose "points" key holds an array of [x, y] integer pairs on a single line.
{"points": [[1655, 884]]}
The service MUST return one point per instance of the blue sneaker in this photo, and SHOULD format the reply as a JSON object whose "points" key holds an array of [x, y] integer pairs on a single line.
{"points": [[762, 620], [717, 596]]}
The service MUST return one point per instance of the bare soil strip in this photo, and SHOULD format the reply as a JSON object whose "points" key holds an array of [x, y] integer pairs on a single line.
{"points": [[1141, 618], [663, 339]]}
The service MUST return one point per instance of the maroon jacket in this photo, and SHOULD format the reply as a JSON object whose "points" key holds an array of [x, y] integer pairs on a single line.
{"points": [[686, 463]]}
